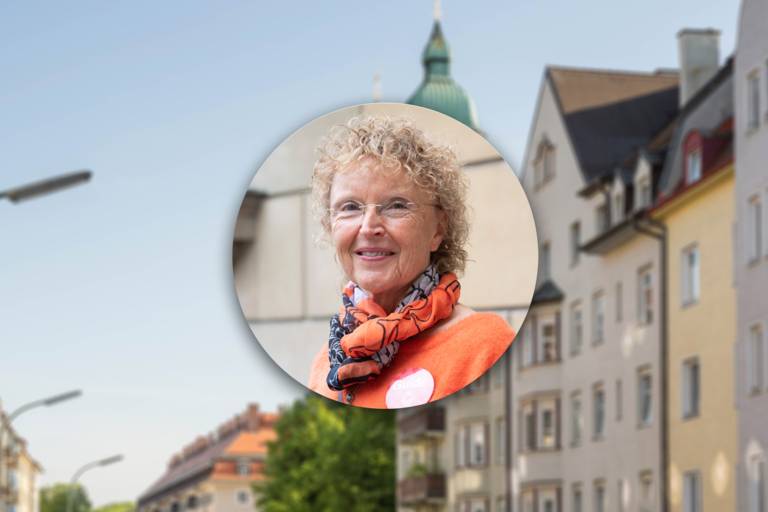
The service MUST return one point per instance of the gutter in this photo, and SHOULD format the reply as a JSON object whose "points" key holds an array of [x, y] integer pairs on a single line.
{"points": [[658, 231]]}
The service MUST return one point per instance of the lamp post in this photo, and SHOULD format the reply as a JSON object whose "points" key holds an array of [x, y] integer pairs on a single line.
{"points": [[52, 400], [46, 186], [95, 464]]}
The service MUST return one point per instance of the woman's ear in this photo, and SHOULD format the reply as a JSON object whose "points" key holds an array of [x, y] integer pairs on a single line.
{"points": [[439, 235]]}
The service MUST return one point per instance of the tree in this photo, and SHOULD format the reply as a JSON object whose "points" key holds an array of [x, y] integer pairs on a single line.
{"points": [[53, 498], [122, 506], [330, 457]]}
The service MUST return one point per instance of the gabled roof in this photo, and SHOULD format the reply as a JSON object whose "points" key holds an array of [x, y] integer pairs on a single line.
{"points": [[610, 114], [547, 291]]}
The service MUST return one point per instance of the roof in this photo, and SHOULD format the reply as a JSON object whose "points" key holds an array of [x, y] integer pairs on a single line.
{"points": [[245, 435], [438, 91], [547, 291], [610, 114]]}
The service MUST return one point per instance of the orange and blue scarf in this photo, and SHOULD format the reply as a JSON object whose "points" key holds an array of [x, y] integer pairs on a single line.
{"points": [[364, 339]]}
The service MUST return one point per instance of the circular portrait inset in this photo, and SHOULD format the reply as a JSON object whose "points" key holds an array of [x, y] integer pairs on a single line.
{"points": [[385, 255]]}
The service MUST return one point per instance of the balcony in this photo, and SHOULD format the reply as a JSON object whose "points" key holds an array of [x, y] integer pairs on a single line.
{"points": [[427, 422], [414, 490]]}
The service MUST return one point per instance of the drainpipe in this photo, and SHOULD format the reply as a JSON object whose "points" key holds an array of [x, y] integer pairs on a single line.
{"points": [[508, 426], [658, 231]]}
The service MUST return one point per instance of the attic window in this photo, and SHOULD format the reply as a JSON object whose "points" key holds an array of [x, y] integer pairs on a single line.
{"points": [[544, 163], [618, 206], [692, 152], [644, 193]]}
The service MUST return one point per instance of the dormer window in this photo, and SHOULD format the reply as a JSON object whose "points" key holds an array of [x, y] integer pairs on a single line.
{"points": [[643, 192], [602, 218], [693, 144], [544, 163], [618, 206]]}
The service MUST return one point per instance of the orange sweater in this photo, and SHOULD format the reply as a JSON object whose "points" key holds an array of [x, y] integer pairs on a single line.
{"points": [[455, 357]]}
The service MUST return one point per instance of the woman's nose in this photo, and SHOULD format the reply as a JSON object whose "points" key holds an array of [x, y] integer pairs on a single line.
{"points": [[371, 221]]}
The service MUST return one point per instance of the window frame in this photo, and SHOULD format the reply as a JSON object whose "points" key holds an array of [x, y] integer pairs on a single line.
{"points": [[690, 401], [598, 415], [598, 317], [753, 101], [690, 275], [645, 311], [646, 420], [576, 331], [692, 477], [574, 233]]}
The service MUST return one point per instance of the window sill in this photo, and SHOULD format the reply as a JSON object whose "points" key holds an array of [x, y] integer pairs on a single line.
{"points": [[643, 426], [689, 303], [541, 364], [690, 416]]}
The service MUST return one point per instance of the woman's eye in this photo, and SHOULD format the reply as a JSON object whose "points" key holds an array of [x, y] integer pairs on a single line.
{"points": [[350, 207], [398, 205]]}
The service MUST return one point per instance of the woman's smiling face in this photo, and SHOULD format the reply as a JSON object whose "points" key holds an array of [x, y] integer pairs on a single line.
{"points": [[382, 254]]}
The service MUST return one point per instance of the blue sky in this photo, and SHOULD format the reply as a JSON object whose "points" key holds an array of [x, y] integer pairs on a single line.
{"points": [[123, 287]]}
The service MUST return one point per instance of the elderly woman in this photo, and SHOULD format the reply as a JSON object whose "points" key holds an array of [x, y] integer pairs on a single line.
{"points": [[392, 203]]}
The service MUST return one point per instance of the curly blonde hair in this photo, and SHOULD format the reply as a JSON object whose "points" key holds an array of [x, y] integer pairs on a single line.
{"points": [[397, 144]]}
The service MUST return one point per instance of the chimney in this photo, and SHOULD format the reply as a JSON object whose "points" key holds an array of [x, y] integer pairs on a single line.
{"points": [[699, 57]]}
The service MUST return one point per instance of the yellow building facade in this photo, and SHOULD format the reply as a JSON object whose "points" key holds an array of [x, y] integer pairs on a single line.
{"points": [[702, 421]]}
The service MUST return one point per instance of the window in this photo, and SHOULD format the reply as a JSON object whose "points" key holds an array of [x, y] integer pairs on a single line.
{"points": [[754, 229], [644, 296], [598, 411], [598, 317], [691, 492], [544, 163], [477, 443], [577, 504], [530, 428], [602, 218], [758, 501], [528, 353], [474, 505], [544, 262], [577, 328], [575, 242], [753, 101], [461, 447], [646, 490], [479, 385], [622, 495], [548, 343], [644, 397], [243, 467], [192, 502], [549, 505], [690, 388], [577, 419], [472, 445], [619, 400], [693, 166], [756, 371], [618, 207], [599, 496], [501, 441], [690, 270], [528, 503], [501, 504], [619, 302], [643, 193], [547, 427]]}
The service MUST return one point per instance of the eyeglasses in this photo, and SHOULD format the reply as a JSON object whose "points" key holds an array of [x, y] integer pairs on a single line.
{"points": [[394, 209]]}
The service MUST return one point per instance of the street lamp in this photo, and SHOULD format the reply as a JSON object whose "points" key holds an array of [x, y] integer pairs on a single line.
{"points": [[46, 186], [95, 464], [51, 400]]}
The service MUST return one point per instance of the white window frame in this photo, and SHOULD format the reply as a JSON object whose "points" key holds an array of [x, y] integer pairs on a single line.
{"points": [[577, 418], [757, 484], [618, 206], [478, 444], [693, 168], [644, 416], [754, 226], [691, 491], [691, 388], [645, 295], [756, 359], [690, 275], [602, 218], [575, 240], [598, 411], [547, 440], [598, 317], [753, 100], [548, 338], [576, 337], [644, 193]]}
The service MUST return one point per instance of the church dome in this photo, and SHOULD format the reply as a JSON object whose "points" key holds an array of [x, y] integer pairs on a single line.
{"points": [[438, 91]]}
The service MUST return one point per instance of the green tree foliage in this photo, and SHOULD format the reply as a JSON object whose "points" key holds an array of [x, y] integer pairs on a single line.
{"points": [[54, 498], [122, 506], [330, 457]]}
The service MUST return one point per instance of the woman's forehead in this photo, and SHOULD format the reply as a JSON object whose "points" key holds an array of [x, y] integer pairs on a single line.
{"points": [[372, 177]]}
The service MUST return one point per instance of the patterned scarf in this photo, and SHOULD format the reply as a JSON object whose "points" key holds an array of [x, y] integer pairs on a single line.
{"points": [[364, 339]]}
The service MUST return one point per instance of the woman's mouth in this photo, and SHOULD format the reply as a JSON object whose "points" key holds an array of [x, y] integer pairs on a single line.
{"points": [[373, 254]]}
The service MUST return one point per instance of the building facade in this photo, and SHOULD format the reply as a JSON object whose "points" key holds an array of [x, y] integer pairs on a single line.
{"points": [[19, 472], [216, 473], [696, 206], [751, 253]]}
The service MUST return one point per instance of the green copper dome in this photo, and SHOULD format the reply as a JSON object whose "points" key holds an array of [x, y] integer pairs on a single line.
{"points": [[438, 91]]}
